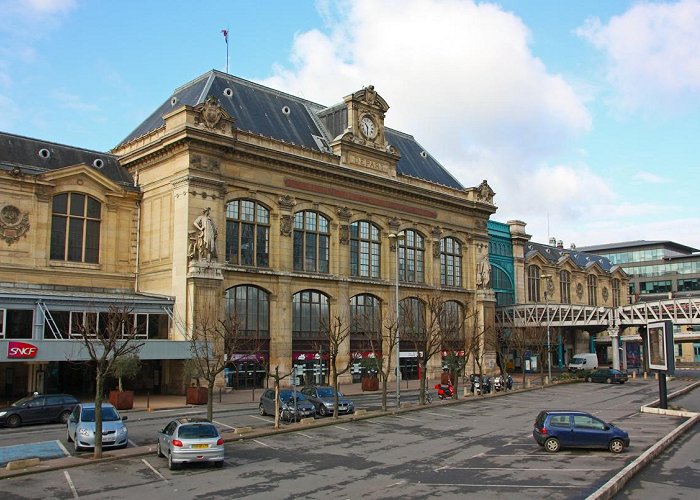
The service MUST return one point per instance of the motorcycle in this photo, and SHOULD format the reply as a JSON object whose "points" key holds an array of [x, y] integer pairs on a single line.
{"points": [[498, 384], [509, 383], [445, 391], [476, 385], [486, 385]]}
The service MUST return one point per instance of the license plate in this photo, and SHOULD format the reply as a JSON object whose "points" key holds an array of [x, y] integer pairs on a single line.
{"points": [[200, 446]]}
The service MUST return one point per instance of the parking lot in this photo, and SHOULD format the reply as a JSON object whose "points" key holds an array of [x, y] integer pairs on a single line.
{"points": [[474, 447]]}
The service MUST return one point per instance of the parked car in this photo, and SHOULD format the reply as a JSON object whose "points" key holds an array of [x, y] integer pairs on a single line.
{"points": [[304, 407], [556, 429], [584, 361], [38, 408], [186, 440], [323, 398], [607, 375], [81, 427]]}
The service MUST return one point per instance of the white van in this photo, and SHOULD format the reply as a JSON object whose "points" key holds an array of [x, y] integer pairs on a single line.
{"points": [[587, 361]]}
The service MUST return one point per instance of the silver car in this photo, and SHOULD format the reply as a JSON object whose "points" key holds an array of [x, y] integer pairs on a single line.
{"points": [[81, 427], [186, 440], [323, 397]]}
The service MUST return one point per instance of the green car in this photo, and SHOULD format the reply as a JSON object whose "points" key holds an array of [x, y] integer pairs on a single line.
{"points": [[607, 375]]}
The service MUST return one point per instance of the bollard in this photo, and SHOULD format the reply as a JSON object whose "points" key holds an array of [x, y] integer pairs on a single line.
{"points": [[219, 394], [148, 401], [645, 375], [527, 384], [656, 375], [634, 374]]}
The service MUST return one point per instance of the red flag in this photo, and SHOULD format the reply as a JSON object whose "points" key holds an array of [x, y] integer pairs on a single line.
{"points": [[225, 32]]}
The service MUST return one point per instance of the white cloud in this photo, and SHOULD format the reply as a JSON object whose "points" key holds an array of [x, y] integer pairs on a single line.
{"points": [[650, 178], [652, 53], [49, 6], [74, 102]]}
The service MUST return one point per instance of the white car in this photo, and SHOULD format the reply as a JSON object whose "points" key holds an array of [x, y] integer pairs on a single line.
{"points": [[81, 427]]}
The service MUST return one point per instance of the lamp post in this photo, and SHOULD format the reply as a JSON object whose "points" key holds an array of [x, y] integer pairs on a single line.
{"points": [[548, 277], [396, 237]]}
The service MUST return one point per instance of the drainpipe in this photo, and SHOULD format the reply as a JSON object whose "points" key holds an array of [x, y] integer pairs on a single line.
{"points": [[138, 245]]}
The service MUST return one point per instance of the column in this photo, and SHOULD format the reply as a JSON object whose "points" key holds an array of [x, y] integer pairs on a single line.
{"points": [[614, 333]]}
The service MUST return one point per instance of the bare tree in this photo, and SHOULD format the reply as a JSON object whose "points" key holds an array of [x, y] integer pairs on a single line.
{"points": [[337, 335], [524, 338], [277, 377], [213, 342], [383, 339], [107, 337]]}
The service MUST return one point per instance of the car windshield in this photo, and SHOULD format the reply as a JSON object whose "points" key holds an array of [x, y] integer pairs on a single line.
{"points": [[197, 431], [108, 415], [326, 392], [286, 395], [22, 401], [578, 361]]}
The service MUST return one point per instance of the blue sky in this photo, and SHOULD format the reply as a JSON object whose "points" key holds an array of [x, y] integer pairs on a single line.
{"points": [[582, 115]]}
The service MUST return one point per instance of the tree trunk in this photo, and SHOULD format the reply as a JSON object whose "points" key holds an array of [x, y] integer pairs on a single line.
{"points": [[210, 400], [385, 388], [423, 381], [99, 386]]}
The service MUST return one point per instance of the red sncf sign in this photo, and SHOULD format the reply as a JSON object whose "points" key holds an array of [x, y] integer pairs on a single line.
{"points": [[21, 350]]}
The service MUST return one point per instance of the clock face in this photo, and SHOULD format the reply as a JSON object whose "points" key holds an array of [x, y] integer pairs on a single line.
{"points": [[367, 127]]}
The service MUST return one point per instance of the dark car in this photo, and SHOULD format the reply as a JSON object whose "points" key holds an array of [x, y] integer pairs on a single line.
{"points": [[304, 407], [323, 397], [578, 429], [607, 375], [38, 408]]}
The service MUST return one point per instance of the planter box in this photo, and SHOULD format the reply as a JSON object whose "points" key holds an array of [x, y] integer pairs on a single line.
{"points": [[370, 384], [197, 396], [122, 400]]}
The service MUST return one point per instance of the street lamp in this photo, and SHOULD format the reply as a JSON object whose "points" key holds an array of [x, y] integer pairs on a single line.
{"points": [[548, 277], [396, 237]]}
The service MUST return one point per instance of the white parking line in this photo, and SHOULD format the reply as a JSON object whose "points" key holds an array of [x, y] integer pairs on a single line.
{"points": [[538, 469], [305, 435], [260, 418], [343, 428], [490, 485], [60, 445], [70, 484], [437, 414], [408, 418], [263, 444], [154, 470], [222, 424], [132, 443]]}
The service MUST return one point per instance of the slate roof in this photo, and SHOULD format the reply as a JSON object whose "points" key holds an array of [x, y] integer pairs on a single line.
{"points": [[584, 260], [638, 245], [34, 157], [285, 117]]}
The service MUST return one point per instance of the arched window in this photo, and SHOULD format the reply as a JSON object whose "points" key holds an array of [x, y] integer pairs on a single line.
{"points": [[412, 318], [247, 233], [450, 262], [411, 257], [366, 316], [565, 287], [452, 322], [250, 306], [310, 315], [365, 249], [592, 290], [75, 228], [311, 242], [502, 284], [616, 292], [533, 284]]}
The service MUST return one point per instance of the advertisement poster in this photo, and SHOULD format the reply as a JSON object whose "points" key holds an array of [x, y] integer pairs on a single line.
{"points": [[656, 340]]}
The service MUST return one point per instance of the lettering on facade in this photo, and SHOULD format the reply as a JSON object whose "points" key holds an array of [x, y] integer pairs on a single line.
{"points": [[21, 350], [367, 163]]}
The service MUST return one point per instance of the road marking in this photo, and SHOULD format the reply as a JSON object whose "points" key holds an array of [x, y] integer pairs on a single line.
{"points": [[131, 443], [305, 435], [260, 418], [223, 425], [538, 469], [154, 470], [60, 445], [489, 485], [344, 428], [396, 484], [408, 418], [436, 414], [70, 484], [263, 444]]}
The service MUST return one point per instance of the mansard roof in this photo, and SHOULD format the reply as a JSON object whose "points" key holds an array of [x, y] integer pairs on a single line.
{"points": [[35, 157], [285, 117], [584, 260]]}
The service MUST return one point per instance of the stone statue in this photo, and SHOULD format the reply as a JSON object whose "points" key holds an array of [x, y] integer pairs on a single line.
{"points": [[206, 237], [483, 273]]}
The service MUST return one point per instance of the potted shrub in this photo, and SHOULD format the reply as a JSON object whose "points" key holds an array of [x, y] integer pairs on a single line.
{"points": [[195, 394], [370, 381], [125, 367]]}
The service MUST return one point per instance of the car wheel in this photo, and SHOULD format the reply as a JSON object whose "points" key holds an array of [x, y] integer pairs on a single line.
{"points": [[171, 465], [261, 409], [589, 379], [616, 446], [608, 380], [322, 410], [14, 421], [159, 452], [552, 445], [219, 464]]}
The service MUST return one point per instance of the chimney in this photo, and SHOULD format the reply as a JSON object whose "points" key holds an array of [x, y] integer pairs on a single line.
{"points": [[573, 246], [560, 244], [552, 242]]}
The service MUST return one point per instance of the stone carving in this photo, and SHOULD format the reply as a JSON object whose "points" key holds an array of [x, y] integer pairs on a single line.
{"points": [[605, 293], [286, 225], [205, 245], [370, 95], [212, 112], [344, 213], [436, 249], [394, 223], [436, 232], [484, 192], [344, 234], [204, 163], [579, 290], [483, 273], [13, 225], [286, 201]]}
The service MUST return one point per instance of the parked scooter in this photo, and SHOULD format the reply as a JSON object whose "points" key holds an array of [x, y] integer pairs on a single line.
{"points": [[476, 384], [498, 383], [509, 382], [445, 391], [486, 385]]}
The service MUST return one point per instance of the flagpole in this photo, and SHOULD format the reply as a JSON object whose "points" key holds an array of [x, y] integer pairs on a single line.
{"points": [[225, 32]]}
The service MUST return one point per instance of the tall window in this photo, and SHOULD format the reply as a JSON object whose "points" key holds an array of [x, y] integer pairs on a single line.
{"points": [[365, 249], [452, 324], [411, 257], [249, 305], [366, 316], [311, 242], [592, 290], [310, 314], [412, 318], [75, 228], [616, 292], [450, 262], [565, 287], [533, 284], [247, 233]]}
